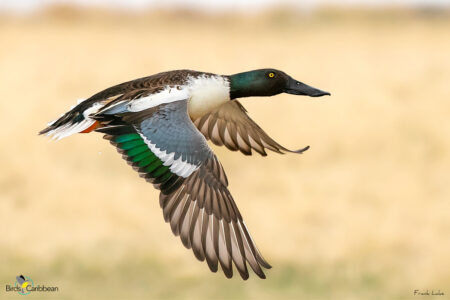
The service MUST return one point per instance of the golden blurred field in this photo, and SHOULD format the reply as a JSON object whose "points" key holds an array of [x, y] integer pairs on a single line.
{"points": [[364, 214]]}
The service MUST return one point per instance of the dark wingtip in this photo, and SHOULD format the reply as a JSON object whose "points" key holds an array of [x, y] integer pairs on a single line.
{"points": [[320, 94], [244, 275], [263, 262], [300, 151], [213, 267], [228, 272], [267, 265], [45, 130]]}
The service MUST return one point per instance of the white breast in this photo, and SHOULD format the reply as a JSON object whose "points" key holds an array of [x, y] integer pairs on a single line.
{"points": [[206, 93]]}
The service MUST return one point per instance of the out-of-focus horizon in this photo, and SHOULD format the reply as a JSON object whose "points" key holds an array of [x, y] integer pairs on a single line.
{"points": [[363, 214], [30, 6]]}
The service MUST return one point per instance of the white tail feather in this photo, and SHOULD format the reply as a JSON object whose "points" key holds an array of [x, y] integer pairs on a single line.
{"points": [[72, 128], [69, 129]]}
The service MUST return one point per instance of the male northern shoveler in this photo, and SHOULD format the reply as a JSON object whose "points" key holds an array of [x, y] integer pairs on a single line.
{"points": [[160, 125]]}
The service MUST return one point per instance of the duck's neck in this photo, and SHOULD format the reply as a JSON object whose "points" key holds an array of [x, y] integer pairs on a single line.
{"points": [[240, 84]]}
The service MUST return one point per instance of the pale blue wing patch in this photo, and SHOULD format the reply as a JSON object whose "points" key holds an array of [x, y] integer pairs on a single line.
{"points": [[171, 135]]}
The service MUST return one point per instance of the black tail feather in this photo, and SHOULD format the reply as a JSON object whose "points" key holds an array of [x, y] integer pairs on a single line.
{"points": [[71, 117]]}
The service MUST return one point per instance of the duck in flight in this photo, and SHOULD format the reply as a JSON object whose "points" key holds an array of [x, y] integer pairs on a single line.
{"points": [[161, 123]]}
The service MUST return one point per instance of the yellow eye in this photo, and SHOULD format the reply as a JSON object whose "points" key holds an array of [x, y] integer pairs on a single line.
{"points": [[271, 74]]}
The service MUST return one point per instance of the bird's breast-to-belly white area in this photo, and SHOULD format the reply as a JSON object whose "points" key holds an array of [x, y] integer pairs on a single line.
{"points": [[207, 93]]}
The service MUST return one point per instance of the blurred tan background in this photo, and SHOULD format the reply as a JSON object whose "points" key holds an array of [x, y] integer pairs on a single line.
{"points": [[364, 214]]}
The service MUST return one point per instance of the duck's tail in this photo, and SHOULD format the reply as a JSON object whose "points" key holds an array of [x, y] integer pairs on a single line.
{"points": [[76, 120]]}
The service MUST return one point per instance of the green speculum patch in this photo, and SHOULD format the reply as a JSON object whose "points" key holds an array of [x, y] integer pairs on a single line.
{"points": [[141, 156]]}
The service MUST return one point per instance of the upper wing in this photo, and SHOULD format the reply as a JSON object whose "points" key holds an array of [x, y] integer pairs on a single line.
{"points": [[230, 125], [164, 146]]}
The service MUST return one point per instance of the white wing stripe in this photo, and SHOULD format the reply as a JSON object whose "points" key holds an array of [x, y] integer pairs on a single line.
{"points": [[177, 166], [168, 95], [169, 159]]}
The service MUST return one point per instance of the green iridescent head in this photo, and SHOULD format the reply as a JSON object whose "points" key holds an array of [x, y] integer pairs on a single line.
{"points": [[268, 82]]}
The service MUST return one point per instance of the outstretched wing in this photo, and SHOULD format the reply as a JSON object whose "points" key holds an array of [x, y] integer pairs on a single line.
{"points": [[165, 147], [230, 125]]}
